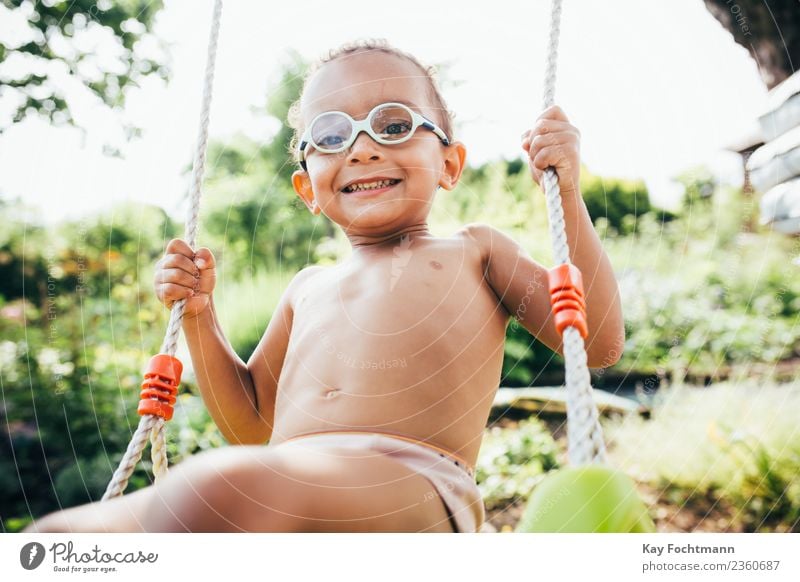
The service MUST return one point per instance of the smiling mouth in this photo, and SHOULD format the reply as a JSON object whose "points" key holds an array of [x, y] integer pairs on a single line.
{"points": [[367, 186]]}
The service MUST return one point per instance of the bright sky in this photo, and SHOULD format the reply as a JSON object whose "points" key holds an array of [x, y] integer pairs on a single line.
{"points": [[654, 87]]}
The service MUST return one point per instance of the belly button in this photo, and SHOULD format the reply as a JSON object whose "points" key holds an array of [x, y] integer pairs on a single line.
{"points": [[332, 393], [436, 265]]}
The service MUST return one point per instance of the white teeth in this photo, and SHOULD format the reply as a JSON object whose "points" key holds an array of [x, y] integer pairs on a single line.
{"points": [[369, 185]]}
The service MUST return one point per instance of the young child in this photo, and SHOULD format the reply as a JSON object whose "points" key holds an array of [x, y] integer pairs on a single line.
{"points": [[375, 377]]}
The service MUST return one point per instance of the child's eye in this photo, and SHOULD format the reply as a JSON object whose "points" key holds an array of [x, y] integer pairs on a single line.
{"points": [[331, 140], [396, 128]]}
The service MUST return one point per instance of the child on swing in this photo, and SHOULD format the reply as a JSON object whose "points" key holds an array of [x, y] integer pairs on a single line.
{"points": [[375, 377]]}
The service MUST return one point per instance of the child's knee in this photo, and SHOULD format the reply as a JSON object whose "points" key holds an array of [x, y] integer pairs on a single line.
{"points": [[179, 501], [45, 524], [229, 493]]}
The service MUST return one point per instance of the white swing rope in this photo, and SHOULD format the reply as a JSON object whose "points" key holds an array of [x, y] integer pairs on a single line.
{"points": [[584, 434], [151, 425]]}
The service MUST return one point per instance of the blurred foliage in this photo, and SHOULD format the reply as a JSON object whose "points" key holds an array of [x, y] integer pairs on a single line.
{"points": [[77, 325], [253, 214], [245, 306], [619, 202], [699, 294], [56, 42], [699, 185], [254, 219], [513, 460], [735, 442]]}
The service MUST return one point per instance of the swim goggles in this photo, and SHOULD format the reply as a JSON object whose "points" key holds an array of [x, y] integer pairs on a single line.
{"points": [[388, 123]]}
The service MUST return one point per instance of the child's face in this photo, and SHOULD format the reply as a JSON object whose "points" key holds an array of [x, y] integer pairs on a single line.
{"points": [[355, 85]]}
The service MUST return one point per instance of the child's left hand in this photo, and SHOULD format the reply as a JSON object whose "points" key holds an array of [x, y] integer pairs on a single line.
{"points": [[554, 141]]}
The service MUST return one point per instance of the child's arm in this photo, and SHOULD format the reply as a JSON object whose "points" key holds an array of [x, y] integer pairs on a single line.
{"points": [[226, 384], [241, 397], [522, 284]]}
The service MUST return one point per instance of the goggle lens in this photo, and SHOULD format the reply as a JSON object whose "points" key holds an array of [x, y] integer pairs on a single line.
{"points": [[392, 123], [330, 131], [389, 124]]}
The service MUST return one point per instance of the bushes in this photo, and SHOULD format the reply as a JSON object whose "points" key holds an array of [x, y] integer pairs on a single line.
{"points": [[512, 461], [708, 307], [617, 202], [71, 360]]}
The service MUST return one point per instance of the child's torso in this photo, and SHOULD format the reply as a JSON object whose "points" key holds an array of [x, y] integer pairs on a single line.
{"points": [[407, 341]]}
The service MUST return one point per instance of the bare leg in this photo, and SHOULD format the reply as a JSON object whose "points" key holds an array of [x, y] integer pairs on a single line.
{"points": [[285, 489], [269, 489], [121, 514]]}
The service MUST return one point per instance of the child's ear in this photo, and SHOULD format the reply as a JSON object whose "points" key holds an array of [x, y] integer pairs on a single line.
{"points": [[301, 182], [455, 158]]}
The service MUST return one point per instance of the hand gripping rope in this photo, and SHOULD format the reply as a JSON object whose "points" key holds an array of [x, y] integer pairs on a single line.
{"points": [[566, 297], [163, 373]]}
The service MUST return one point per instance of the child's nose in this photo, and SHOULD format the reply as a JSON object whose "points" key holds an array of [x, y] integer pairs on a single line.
{"points": [[364, 149]]}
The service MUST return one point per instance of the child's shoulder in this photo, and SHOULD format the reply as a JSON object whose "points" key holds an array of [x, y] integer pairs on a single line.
{"points": [[476, 231], [303, 276], [484, 237], [494, 245], [299, 281]]}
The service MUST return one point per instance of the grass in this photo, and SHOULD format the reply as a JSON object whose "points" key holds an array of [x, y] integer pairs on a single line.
{"points": [[245, 307], [734, 442]]}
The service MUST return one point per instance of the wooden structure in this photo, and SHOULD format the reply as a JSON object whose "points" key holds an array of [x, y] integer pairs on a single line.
{"points": [[773, 167], [553, 400]]}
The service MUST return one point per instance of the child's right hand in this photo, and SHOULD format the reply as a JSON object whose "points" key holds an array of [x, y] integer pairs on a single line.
{"points": [[183, 274]]}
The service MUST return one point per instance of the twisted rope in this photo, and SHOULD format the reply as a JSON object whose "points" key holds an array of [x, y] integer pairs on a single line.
{"points": [[584, 434], [198, 168], [149, 424]]}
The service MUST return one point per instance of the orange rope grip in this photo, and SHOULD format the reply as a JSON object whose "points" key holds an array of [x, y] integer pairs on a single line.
{"points": [[566, 297], [160, 386]]}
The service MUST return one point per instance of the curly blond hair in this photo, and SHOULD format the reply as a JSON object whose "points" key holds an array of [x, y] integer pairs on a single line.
{"points": [[295, 118]]}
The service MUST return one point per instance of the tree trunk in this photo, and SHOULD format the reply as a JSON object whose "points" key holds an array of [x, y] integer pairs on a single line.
{"points": [[770, 31]]}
